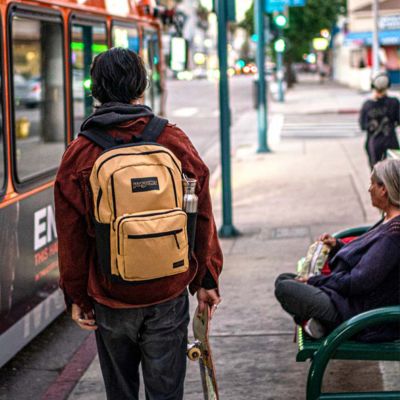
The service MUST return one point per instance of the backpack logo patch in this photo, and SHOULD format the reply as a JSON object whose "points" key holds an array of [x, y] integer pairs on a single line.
{"points": [[145, 184]]}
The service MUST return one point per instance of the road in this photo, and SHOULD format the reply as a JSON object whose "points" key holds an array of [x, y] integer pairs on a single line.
{"points": [[194, 107]]}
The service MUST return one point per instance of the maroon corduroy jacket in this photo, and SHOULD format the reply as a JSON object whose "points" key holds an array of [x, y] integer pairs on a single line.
{"points": [[80, 279]]}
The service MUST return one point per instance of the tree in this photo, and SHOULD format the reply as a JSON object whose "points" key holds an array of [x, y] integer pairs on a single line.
{"points": [[305, 23]]}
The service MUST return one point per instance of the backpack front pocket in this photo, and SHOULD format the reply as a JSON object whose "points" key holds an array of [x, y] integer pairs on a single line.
{"points": [[152, 245]]}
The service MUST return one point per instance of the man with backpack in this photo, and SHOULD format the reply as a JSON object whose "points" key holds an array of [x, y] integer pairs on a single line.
{"points": [[124, 256]]}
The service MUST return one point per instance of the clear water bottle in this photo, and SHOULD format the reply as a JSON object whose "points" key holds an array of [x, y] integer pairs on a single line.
{"points": [[190, 204]]}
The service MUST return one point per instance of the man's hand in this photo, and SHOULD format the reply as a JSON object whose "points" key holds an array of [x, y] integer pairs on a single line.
{"points": [[208, 297], [84, 321], [328, 239]]}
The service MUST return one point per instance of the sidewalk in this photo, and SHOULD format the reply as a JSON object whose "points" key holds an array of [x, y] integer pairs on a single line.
{"points": [[281, 202]]}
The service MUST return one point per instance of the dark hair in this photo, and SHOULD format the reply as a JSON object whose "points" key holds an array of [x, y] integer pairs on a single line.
{"points": [[118, 75]]}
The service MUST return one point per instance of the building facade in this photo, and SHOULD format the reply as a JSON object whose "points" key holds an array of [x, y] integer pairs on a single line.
{"points": [[352, 52]]}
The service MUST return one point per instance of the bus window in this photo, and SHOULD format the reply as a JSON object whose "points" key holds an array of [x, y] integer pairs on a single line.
{"points": [[38, 95], [88, 40], [126, 37], [151, 57]]}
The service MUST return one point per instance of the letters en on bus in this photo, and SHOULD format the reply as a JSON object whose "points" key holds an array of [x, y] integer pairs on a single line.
{"points": [[44, 227]]}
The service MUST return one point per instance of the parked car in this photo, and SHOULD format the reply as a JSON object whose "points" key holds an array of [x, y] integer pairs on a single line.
{"points": [[27, 92]]}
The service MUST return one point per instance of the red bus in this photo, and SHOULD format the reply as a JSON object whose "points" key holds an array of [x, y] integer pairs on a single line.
{"points": [[47, 49]]}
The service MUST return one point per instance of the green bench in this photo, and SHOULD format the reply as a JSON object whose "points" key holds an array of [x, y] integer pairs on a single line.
{"points": [[339, 346]]}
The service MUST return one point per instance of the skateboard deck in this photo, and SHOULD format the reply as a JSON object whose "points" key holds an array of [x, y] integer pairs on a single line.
{"points": [[201, 351]]}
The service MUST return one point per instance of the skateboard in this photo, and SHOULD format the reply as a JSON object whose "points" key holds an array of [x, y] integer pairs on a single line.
{"points": [[200, 350]]}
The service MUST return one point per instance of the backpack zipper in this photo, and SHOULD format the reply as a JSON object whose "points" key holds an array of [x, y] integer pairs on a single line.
{"points": [[99, 195], [139, 216], [136, 154], [173, 184], [160, 234]]}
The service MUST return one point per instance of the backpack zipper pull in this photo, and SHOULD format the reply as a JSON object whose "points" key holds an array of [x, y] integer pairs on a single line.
{"points": [[176, 240]]}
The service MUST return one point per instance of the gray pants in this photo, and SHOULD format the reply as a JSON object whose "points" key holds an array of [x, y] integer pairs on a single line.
{"points": [[156, 337], [304, 301]]}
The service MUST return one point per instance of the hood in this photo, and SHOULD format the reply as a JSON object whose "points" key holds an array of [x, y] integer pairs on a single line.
{"points": [[109, 115]]}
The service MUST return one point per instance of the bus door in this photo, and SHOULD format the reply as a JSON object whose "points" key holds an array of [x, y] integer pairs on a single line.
{"points": [[152, 58], [88, 39]]}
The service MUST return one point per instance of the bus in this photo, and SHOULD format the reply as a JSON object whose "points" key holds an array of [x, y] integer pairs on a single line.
{"points": [[47, 49]]}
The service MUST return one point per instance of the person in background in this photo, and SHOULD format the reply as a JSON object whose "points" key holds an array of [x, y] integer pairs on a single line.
{"points": [[365, 272], [379, 117]]}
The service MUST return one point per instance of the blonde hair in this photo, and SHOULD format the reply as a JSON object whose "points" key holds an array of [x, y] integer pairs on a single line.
{"points": [[387, 173]]}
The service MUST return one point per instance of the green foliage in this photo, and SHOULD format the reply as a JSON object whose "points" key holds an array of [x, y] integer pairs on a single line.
{"points": [[248, 20], [305, 23]]}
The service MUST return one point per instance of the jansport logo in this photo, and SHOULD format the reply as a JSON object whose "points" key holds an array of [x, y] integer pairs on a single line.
{"points": [[145, 184]]}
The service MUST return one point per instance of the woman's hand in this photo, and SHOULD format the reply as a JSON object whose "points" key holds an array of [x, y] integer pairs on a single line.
{"points": [[328, 239]]}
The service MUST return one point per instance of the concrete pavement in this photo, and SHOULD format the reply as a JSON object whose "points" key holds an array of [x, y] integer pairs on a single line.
{"points": [[281, 201]]}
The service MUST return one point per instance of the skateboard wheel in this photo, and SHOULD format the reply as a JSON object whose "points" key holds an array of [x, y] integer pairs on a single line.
{"points": [[194, 354]]}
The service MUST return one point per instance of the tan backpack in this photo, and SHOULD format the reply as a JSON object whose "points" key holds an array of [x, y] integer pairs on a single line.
{"points": [[141, 228]]}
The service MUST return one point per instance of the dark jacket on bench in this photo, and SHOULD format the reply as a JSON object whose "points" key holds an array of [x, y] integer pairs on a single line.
{"points": [[366, 275]]}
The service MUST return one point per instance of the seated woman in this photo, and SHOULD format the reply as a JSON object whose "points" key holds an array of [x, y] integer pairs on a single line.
{"points": [[365, 272]]}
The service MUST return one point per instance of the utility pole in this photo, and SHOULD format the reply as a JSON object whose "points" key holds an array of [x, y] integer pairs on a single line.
{"points": [[227, 229], [279, 70], [375, 36], [261, 84], [280, 21]]}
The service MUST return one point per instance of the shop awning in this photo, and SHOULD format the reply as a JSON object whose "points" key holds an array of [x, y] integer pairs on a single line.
{"points": [[386, 38]]}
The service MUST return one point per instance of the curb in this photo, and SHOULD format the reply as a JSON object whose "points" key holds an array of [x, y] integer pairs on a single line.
{"points": [[73, 371]]}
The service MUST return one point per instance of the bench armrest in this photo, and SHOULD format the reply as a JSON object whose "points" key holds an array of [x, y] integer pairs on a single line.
{"points": [[342, 333]]}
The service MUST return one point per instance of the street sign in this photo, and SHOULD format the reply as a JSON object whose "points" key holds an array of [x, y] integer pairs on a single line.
{"points": [[276, 5], [297, 3]]}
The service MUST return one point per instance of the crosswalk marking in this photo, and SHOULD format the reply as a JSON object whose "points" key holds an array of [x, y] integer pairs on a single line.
{"points": [[320, 126], [185, 112]]}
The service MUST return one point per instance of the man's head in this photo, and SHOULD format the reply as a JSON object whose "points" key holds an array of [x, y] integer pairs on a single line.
{"points": [[118, 75], [380, 82]]}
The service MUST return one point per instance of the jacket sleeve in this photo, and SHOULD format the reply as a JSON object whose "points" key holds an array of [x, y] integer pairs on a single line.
{"points": [[367, 275], [73, 241], [207, 248]]}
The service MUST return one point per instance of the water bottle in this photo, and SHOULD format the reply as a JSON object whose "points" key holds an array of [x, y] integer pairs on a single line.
{"points": [[190, 203]]}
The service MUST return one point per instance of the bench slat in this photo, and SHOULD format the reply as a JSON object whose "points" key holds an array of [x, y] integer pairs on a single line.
{"points": [[350, 350]]}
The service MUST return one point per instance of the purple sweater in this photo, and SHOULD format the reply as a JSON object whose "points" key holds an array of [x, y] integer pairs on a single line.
{"points": [[366, 275]]}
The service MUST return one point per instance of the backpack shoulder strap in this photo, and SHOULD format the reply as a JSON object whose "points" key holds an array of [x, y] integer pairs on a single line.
{"points": [[153, 129], [100, 138]]}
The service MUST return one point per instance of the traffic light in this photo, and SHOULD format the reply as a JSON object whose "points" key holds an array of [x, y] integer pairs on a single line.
{"points": [[280, 21], [279, 46]]}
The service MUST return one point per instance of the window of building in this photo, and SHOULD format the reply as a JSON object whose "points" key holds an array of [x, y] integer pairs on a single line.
{"points": [[88, 40], [151, 57], [126, 37], [38, 95]]}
